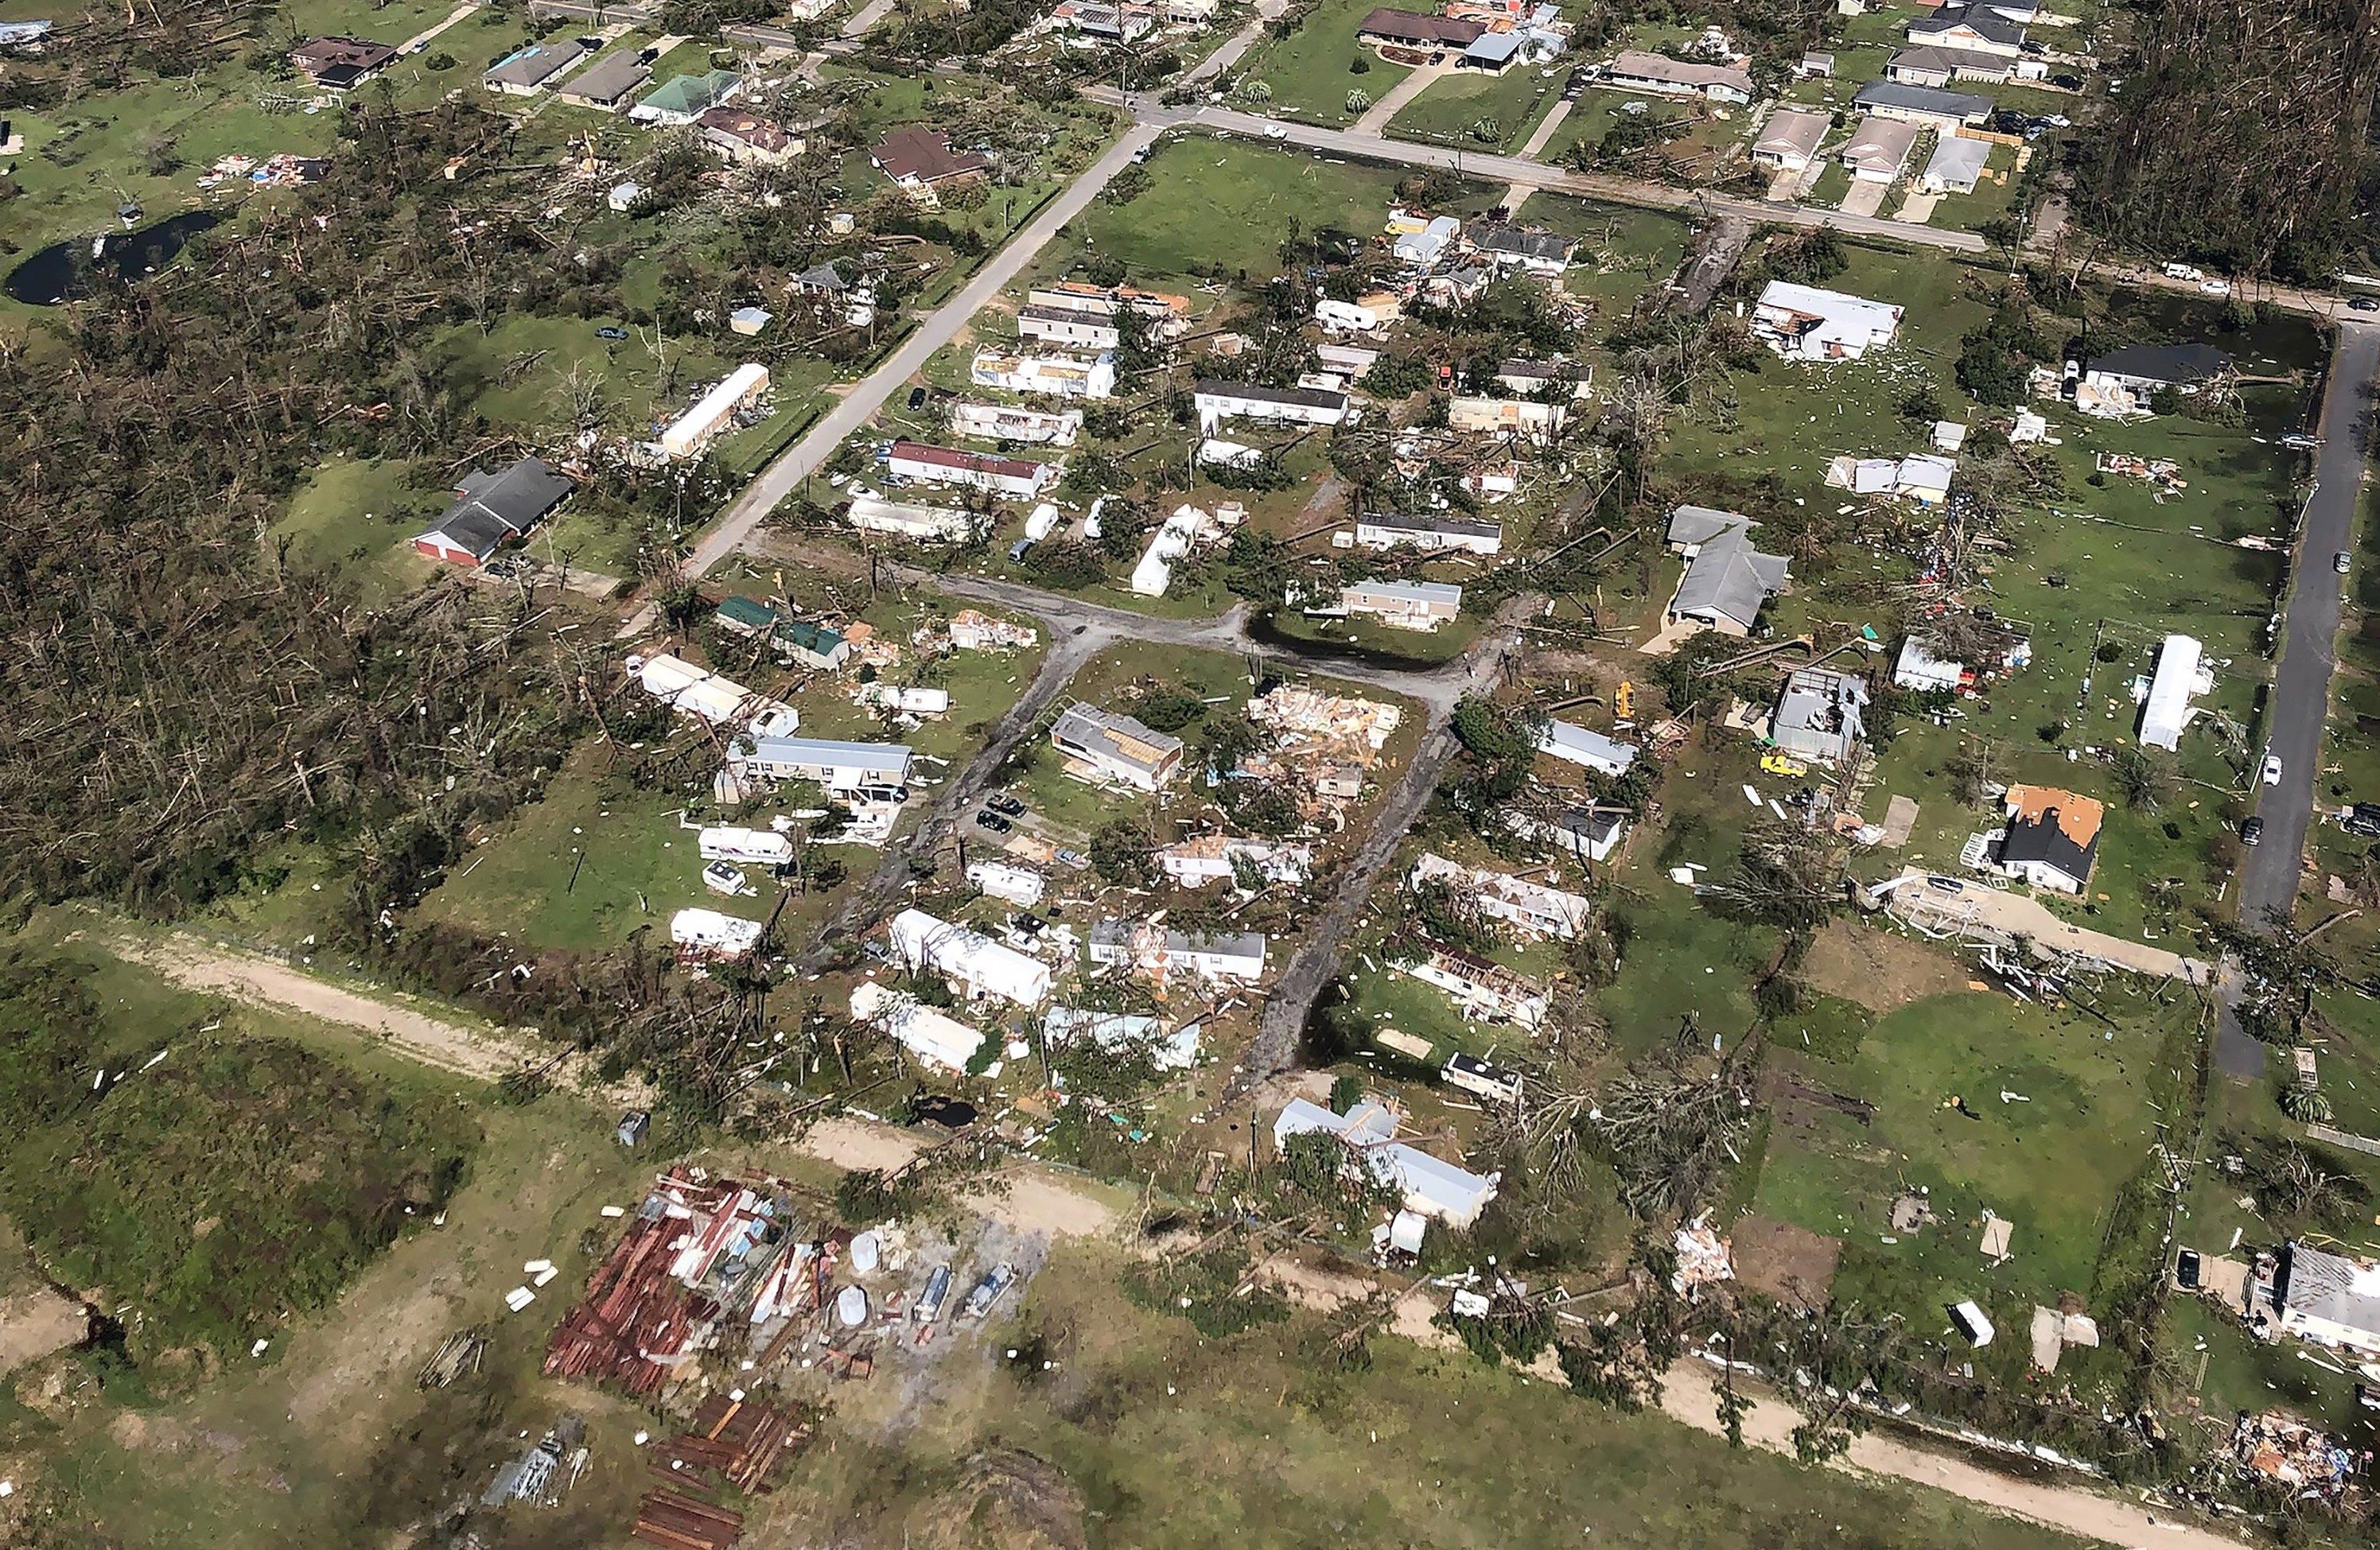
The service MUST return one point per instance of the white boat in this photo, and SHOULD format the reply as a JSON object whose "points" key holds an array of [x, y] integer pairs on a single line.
{"points": [[929, 1306], [990, 1289]]}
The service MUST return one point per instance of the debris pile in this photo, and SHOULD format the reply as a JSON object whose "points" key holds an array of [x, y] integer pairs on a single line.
{"points": [[738, 1440], [1704, 1258], [2289, 1452], [457, 1354], [689, 1252], [2162, 472], [676, 1522]]}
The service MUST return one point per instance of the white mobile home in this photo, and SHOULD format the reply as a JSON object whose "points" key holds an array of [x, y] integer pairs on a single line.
{"points": [[693, 430], [700, 693], [1586, 747], [708, 937], [903, 519], [970, 962], [1218, 401], [1431, 534], [1003, 422], [935, 1038], [839, 766], [2180, 673], [1017, 478], [1404, 605], [1020, 886], [1111, 747], [755, 847]]}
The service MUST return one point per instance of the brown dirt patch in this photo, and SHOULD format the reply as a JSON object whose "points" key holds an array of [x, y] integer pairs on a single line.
{"points": [[1876, 969], [35, 1323], [1789, 1262], [1004, 1499]]}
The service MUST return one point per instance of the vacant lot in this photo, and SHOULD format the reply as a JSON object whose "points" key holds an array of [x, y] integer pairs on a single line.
{"points": [[1477, 110], [1222, 201], [1417, 1448], [1310, 72], [2058, 1113]]}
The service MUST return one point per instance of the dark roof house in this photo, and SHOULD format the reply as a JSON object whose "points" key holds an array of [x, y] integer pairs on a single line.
{"points": [[919, 158], [2053, 837], [1922, 104], [1418, 29], [491, 508], [608, 82], [340, 63]]}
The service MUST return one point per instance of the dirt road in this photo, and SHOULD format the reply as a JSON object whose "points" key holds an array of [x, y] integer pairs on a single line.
{"points": [[1022, 1197], [256, 980], [875, 898], [1292, 997], [2008, 915], [1690, 1397]]}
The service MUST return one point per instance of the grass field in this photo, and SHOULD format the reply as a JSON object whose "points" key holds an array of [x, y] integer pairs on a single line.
{"points": [[1222, 201], [232, 1175], [1308, 71], [1415, 1448], [1596, 113], [150, 140], [2049, 1159], [596, 860], [1451, 108], [356, 517]]}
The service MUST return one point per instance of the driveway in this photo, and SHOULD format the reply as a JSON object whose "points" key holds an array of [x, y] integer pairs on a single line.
{"points": [[1866, 196], [2300, 700], [1977, 910], [1375, 117]]}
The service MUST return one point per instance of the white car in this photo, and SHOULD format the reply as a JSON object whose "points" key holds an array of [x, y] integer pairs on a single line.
{"points": [[1276, 132], [2272, 770]]}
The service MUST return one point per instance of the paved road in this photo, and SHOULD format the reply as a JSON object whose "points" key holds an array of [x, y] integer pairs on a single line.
{"points": [[2301, 698], [1439, 686], [859, 405], [1521, 172]]}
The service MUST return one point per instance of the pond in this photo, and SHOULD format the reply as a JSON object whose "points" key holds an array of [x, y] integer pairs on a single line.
{"points": [[62, 271]]}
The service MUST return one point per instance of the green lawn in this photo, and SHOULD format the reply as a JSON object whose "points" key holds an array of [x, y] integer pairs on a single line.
{"points": [[356, 517], [1222, 201], [1310, 70], [595, 859], [579, 869], [150, 140], [1413, 1447], [1597, 112], [1477, 110], [2050, 1164]]}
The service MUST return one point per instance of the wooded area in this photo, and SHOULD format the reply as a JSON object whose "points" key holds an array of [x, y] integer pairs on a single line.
{"points": [[2241, 137], [180, 698]]}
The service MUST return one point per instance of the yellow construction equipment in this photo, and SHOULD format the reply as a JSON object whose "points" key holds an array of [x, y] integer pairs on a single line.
{"points": [[1622, 699]]}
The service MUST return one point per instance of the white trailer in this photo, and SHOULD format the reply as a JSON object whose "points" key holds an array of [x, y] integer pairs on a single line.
{"points": [[754, 847]]}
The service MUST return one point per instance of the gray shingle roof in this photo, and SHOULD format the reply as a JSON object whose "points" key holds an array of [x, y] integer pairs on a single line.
{"points": [[1728, 575]]}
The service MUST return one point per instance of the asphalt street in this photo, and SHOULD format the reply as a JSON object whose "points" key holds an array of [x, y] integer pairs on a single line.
{"points": [[2301, 697], [859, 405]]}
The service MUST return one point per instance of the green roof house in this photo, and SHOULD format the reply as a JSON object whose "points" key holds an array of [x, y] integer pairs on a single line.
{"points": [[746, 616], [684, 99], [813, 645]]}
